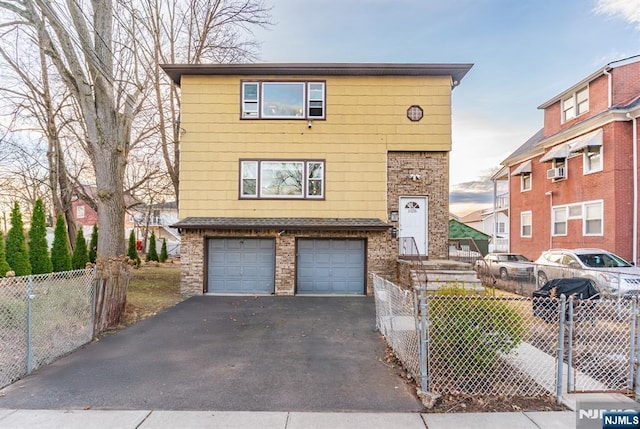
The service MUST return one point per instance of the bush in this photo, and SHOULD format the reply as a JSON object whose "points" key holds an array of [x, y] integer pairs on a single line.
{"points": [[38, 248], [4, 266], [468, 333], [163, 251], [16, 245], [132, 253], [93, 245], [60, 258], [80, 255], [152, 254]]}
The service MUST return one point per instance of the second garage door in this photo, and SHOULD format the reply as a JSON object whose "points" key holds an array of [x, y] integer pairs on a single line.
{"points": [[331, 266], [241, 265]]}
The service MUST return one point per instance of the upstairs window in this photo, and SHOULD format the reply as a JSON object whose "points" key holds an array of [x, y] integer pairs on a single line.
{"points": [[283, 100], [525, 182], [295, 179], [575, 104], [593, 159]]}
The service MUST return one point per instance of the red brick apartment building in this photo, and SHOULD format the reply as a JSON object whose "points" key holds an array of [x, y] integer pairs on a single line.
{"points": [[575, 183]]}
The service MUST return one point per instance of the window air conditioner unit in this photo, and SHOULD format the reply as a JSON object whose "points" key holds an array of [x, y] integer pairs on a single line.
{"points": [[555, 173]]}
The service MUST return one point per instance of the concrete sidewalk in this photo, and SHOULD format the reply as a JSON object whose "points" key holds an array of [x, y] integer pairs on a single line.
{"points": [[141, 419]]}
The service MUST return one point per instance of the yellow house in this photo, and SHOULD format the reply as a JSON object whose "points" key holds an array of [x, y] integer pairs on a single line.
{"points": [[302, 178]]}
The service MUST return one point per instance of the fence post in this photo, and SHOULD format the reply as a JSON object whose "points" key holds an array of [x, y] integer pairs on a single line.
{"points": [[30, 297], [570, 385], [94, 290], [632, 354], [560, 357], [637, 358], [424, 340]]}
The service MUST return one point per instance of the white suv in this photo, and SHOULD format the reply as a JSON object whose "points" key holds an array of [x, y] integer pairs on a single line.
{"points": [[612, 274]]}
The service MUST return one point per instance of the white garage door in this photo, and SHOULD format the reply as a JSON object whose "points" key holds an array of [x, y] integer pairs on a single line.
{"points": [[241, 265], [331, 266]]}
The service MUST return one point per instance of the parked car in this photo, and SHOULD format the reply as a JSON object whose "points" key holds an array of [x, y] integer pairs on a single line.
{"points": [[505, 265], [611, 274]]}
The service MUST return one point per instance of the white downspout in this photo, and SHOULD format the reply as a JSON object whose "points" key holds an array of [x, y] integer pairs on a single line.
{"points": [[634, 123], [609, 86], [550, 195]]}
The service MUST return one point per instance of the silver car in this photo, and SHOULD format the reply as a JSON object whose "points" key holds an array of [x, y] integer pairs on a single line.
{"points": [[505, 265], [611, 274]]}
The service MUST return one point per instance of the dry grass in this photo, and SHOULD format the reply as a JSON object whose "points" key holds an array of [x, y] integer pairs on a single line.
{"points": [[153, 288]]}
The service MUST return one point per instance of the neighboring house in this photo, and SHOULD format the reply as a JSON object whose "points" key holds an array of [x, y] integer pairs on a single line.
{"points": [[575, 182], [493, 222], [460, 235], [86, 217], [158, 218], [302, 178]]}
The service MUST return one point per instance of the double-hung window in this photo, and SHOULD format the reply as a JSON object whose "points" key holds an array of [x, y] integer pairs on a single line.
{"points": [[525, 182], [592, 159], [283, 100], [560, 220], [575, 104], [526, 224], [592, 219], [294, 179]]}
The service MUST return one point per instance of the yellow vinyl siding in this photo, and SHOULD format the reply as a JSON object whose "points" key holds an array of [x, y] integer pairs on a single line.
{"points": [[365, 118]]}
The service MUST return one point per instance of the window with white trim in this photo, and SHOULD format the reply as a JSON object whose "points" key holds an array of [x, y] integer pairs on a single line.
{"points": [[294, 179], [283, 100], [501, 228], [525, 182], [559, 220], [80, 212], [575, 104], [592, 220], [592, 159], [526, 224]]}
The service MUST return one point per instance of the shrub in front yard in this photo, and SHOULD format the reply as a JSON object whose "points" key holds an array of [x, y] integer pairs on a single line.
{"points": [[469, 333], [60, 258], [16, 245], [93, 245], [152, 253], [38, 248], [163, 251], [4, 266], [132, 253], [80, 256]]}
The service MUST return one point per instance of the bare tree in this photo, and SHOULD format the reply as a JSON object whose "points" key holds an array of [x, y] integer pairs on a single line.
{"points": [[196, 31], [80, 43], [108, 55]]}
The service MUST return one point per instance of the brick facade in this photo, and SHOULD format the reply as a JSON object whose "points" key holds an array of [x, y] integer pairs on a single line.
{"points": [[381, 248], [613, 185], [380, 256], [433, 168]]}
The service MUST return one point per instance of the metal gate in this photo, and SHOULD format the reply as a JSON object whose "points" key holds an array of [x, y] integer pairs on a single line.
{"points": [[600, 345]]}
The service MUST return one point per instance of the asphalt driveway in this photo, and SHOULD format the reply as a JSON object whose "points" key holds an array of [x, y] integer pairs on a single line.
{"points": [[230, 354]]}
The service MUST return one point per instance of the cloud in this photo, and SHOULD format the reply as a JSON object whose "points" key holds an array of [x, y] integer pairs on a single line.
{"points": [[629, 10]]}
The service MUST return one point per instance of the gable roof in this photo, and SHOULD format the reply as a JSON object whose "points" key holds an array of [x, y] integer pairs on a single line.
{"points": [[591, 77], [456, 71], [525, 148], [460, 230]]}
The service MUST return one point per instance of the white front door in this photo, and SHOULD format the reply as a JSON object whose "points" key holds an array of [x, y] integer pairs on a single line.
{"points": [[413, 223]]}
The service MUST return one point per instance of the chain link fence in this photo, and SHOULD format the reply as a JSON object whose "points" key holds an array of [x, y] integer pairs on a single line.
{"points": [[43, 317], [395, 311], [510, 346]]}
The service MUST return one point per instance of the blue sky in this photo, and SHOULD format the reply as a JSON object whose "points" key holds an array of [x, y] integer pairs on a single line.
{"points": [[524, 52]]}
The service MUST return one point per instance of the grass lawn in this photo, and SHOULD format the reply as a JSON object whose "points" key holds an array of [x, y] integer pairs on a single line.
{"points": [[152, 289]]}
